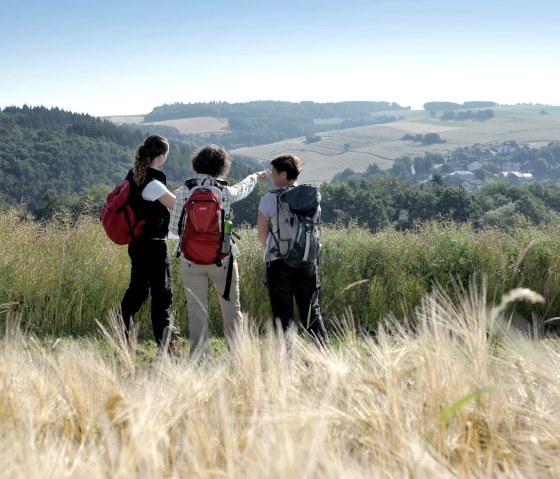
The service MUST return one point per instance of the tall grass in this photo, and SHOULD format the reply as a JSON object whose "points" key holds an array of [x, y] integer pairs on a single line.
{"points": [[64, 275], [457, 395]]}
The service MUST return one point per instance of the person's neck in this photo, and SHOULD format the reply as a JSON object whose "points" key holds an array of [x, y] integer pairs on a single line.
{"points": [[288, 183]]}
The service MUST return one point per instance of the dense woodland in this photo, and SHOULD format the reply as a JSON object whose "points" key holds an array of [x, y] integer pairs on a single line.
{"points": [[52, 159]]}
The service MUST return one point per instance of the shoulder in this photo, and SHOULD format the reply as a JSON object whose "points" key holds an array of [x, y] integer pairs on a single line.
{"points": [[269, 197], [267, 205]]}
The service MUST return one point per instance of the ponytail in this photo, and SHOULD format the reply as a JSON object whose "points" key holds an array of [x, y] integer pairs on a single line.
{"points": [[154, 146]]}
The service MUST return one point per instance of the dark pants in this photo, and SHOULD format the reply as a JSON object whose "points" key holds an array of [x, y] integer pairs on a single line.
{"points": [[150, 273], [286, 283]]}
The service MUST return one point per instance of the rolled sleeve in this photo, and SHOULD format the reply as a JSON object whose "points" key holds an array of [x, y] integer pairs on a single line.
{"points": [[242, 189]]}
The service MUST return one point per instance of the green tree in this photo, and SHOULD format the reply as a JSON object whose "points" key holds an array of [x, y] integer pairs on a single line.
{"points": [[402, 167], [422, 165]]}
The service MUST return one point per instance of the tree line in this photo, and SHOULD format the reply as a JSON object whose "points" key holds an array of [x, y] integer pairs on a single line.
{"points": [[260, 109], [381, 202]]}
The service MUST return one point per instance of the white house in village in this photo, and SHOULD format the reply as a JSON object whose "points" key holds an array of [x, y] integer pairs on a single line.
{"points": [[475, 165], [508, 147]]}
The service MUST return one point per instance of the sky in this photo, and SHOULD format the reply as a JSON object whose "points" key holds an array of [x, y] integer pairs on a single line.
{"points": [[125, 57]]}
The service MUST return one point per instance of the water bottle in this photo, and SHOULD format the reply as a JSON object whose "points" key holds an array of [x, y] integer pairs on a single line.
{"points": [[228, 227]]}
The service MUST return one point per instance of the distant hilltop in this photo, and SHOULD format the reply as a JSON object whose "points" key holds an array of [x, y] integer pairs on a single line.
{"points": [[266, 108], [448, 105]]}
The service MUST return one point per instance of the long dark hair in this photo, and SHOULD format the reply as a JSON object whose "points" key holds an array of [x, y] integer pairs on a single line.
{"points": [[153, 146]]}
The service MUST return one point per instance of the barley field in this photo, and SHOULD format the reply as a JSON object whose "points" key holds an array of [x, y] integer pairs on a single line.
{"points": [[441, 363], [460, 394]]}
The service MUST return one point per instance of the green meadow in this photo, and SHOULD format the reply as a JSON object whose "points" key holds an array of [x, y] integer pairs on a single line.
{"points": [[64, 275]]}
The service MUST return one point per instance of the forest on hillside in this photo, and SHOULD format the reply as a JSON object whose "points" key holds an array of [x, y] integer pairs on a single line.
{"points": [[52, 159]]}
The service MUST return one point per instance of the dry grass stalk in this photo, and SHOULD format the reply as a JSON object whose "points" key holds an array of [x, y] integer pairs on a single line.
{"points": [[447, 395]]}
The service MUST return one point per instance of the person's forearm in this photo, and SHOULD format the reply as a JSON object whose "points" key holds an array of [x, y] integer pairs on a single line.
{"points": [[242, 189]]}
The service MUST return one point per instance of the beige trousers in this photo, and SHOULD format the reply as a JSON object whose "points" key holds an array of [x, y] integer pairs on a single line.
{"points": [[195, 281]]}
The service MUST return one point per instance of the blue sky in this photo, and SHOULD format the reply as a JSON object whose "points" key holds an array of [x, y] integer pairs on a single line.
{"points": [[124, 57]]}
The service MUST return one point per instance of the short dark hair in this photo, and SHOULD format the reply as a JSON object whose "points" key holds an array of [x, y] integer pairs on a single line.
{"points": [[212, 160], [291, 164]]}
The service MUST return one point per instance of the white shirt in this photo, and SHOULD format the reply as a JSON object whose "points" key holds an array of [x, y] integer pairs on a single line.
{"points": [[154, 190]]}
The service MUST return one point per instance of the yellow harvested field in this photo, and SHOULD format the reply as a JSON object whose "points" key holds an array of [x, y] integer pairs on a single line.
{"points": [[130, 119], [198, 125], [422, 128], [194, 126]]}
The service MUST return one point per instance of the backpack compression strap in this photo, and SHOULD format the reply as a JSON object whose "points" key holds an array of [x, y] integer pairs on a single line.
{"points": [[229, 277]]}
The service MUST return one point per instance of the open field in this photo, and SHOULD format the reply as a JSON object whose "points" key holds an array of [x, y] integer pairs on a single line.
{"points": [[131, 119], [194, 126], [62, 275], [381, 144]]}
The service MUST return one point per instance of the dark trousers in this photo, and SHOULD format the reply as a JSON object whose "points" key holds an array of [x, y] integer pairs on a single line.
{"points": [[284, 284], [150, 273]]}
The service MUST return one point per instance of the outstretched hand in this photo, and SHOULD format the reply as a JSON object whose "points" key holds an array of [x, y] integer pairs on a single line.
{"points": [[262, 175]]}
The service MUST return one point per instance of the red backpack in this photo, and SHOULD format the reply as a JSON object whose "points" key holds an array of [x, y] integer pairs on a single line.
{"points": [[118, 218], [201, 224]]}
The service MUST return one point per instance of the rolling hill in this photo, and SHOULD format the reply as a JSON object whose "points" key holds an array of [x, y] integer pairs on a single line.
{"points": [[357, 148]]}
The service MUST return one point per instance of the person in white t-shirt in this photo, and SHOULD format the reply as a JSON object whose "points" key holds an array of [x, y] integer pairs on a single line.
{"points": [[150, 272]]}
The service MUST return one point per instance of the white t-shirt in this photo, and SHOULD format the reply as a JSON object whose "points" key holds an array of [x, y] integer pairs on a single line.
{"points": [[267, 206], [154, 190]]}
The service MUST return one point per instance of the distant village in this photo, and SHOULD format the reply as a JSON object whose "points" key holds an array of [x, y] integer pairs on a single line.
{"points": [[474, 166]]}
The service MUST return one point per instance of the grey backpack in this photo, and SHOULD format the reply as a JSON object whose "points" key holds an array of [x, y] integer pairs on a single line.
{"points": [[295, 230]]}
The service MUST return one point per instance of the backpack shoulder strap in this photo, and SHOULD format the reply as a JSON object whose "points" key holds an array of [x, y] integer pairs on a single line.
{"points": [[220, 183], [191, 183]]}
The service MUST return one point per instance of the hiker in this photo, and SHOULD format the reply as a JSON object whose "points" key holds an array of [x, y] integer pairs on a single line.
{"points": [[295, 280], [210, 164], [149, 255]]}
